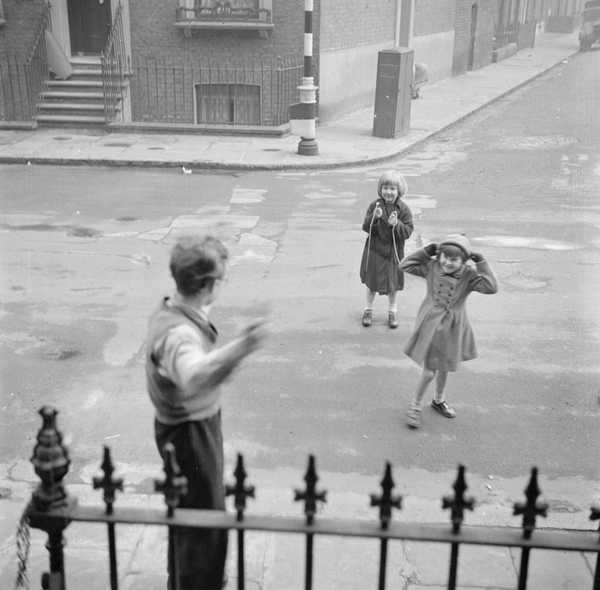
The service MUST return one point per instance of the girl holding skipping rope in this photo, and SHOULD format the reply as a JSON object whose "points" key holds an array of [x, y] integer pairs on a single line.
{"points": [[388, 223]]}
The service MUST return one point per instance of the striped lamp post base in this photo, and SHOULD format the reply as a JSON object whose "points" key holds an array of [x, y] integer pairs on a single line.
{"points": [[305, 112]]}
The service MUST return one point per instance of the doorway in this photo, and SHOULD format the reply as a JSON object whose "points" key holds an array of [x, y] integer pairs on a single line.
{"points": [[89, 25], [471, 61]]}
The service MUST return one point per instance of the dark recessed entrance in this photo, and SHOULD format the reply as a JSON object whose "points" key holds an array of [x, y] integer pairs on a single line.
{"points": [[89, 25]]}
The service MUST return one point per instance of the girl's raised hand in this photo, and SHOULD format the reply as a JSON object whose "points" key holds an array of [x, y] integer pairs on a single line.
{"points": [[378, 212], [393, 218]]}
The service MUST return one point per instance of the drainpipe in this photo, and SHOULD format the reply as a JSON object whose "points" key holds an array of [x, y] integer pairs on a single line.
{"points": [[407, 19]]}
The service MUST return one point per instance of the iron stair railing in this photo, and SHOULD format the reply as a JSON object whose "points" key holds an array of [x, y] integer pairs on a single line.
{"points": [[22, 81], [115, 67]]}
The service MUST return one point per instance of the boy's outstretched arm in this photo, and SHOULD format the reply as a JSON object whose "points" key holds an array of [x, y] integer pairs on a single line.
{"points": [[197, 372]]}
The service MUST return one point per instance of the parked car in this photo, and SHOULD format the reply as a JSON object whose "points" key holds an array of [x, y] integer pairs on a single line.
{"points": [[590, 25]]}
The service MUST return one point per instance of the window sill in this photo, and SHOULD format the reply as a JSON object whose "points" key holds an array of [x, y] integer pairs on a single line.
{"points": [[190, 25]]}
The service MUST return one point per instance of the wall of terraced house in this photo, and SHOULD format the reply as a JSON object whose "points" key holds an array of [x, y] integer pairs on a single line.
{"points": [[168, 63], [484, 34], [18, 30], [351, 34], [17, 33], [433, 36]]}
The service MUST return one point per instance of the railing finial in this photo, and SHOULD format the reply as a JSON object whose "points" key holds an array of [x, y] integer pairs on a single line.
{"points": [[458, 503], [386, 501], [531, 508], [107, 483], [310, 494], [51, 463], [174, 485], [239, 491], [595, 513]]}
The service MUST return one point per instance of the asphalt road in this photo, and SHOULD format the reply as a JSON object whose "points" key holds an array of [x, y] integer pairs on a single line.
{"points": [[84, 261]]}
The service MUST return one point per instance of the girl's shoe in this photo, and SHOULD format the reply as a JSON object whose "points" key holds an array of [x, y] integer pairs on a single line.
{"points": [[392, 320], [413, 417], [367, 318], [443, 408]]}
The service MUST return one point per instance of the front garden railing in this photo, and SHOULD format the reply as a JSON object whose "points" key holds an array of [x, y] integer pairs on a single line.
{"points": [[52, 509]]}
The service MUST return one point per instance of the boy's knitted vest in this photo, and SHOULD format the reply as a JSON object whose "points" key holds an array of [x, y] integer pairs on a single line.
{"points": [[171, 404]]}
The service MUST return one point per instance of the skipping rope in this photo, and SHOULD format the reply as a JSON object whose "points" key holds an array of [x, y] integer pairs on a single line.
{"points": [[369, 240]]}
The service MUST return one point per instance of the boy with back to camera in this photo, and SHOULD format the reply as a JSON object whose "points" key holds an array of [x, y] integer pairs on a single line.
{"points": [[443, 336], [184, 371]]}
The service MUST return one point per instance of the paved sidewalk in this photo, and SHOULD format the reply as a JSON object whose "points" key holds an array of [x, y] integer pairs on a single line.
{"points": [[342, 142]]}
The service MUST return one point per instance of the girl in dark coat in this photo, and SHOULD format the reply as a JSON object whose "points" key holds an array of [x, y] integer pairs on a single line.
{"points": [[443, 336], [388, 223]]}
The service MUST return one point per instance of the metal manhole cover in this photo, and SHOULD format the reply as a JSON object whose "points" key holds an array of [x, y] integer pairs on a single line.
{"points": [[156, 147], [62, 138], [117, 144], [271, 150]]}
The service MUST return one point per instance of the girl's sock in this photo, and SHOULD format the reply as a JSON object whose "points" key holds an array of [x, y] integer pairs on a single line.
{"points": [[439, 397], [393, 308]]}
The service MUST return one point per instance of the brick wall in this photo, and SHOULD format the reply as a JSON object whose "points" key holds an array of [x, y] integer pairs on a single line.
{"points": [[350, 23], [153, 34], [484, 33], [433, 16], [17, 34], [169, 56]]}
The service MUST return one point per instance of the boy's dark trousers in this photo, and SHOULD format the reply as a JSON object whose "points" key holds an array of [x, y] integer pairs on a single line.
{"points": [[200, 553]]}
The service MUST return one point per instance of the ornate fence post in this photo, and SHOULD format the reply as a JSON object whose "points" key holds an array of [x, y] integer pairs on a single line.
{"points": [[173, 487], [530, 510], [109, 486], [457, 505], [240, 493], [385, 502], [310, 496], [595, 515], [51, 462]]}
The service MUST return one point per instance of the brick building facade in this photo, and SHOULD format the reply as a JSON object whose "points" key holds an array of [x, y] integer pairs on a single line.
{"points": [[238, 62], [213, 76], [474, 27], [17, 31]]}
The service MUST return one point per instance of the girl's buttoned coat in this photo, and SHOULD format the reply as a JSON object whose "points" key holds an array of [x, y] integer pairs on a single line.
{"points": [[443, 335], [384, 247]]}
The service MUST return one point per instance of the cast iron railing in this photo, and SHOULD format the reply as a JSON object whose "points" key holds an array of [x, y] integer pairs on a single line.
{"points": [[166, 91], [52, 509], [115, 67], [21, 81]]}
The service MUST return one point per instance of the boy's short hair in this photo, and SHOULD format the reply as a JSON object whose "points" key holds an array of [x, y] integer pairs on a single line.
{"points": [[196, 262], [394, 178]]}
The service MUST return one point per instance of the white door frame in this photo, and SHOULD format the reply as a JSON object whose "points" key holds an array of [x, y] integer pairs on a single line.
{"points": [[59, 12]]}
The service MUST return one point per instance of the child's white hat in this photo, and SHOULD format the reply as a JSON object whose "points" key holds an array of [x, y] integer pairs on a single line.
{"points": [[460, 241]]}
